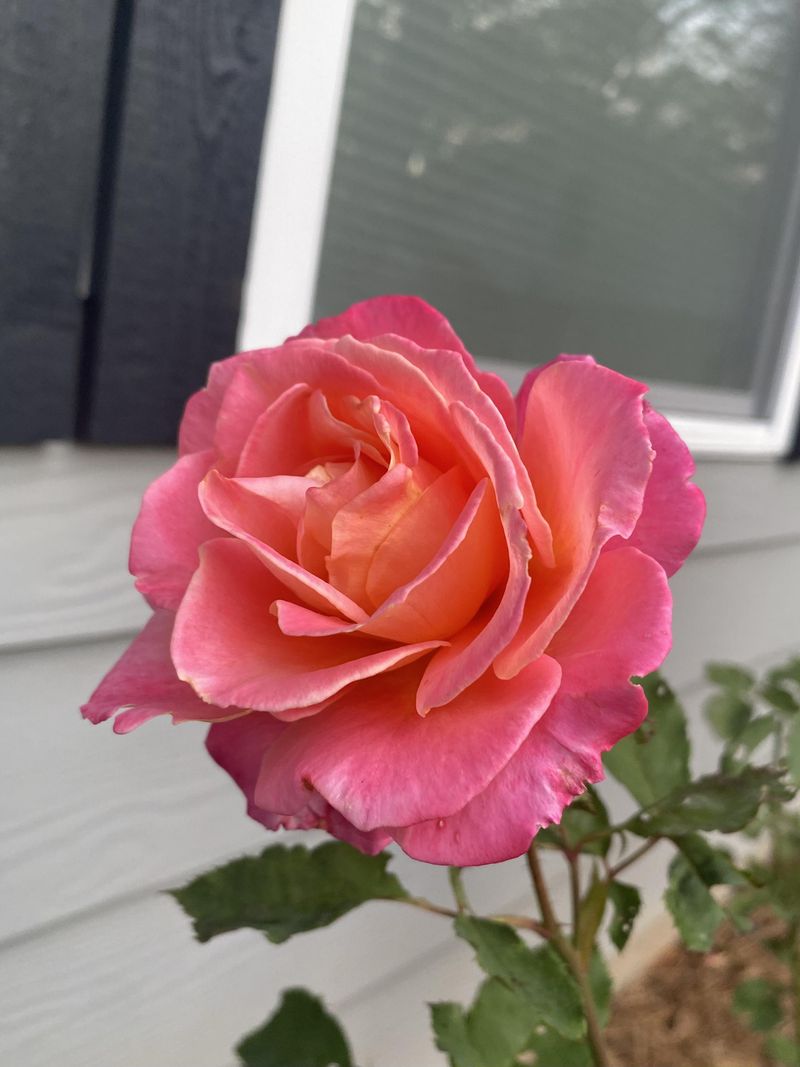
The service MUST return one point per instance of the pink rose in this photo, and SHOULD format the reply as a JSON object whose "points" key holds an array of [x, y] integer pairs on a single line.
{"points": [[410, 609]]}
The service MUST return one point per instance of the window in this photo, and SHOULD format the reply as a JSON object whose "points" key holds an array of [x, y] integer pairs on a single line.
{"points": [[612, 176]]}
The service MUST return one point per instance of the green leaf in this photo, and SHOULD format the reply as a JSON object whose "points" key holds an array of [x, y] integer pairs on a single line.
{"points": [[538, 974], [787, 672], [697, 915], [713, 866], [601, 986], [793, 751], [654, 761], [783, 1050], [729, 676], [780, 698], [586, 815], [716, 802], [301, 1033], [590, 915], [728, 713], [491, 1034], [756, 731], [759, 1000], [285, 891], [626, 900], [451, 1030], [553, 1050]]}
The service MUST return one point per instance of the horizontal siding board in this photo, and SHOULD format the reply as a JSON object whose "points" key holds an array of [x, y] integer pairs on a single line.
{"points": [[749, 502], [196, 98], [52, 75], [131, 988], [65, 527]]}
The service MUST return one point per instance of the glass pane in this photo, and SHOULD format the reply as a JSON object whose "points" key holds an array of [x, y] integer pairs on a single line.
{"points": [[605, 176]]}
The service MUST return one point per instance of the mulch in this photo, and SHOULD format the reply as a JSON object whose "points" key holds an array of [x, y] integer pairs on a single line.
{"points": [[678, 1013]]}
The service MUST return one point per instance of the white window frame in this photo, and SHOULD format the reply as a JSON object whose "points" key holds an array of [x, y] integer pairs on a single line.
{"points": [[289, 220]]}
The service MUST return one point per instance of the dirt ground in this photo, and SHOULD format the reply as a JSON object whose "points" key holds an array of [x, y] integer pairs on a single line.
{"points": [[678, 1013]]}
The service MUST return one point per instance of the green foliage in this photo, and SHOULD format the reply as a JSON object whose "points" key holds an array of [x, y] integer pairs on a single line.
{"points": [[780, 698], [590, 915], [737, 752], [724, 802], [713, 866], [782, 1050], [759, 1000], [770, 882], [601, 986], [491, 1033], [553, 1049], [693, 872], [730, 676], [538, 974], [793, 751], [697, 915], [586, 816], [654, 761], [301, 1033], [729, 713], [285, 891], [626, 901], [788, 674], [530, 1002]]}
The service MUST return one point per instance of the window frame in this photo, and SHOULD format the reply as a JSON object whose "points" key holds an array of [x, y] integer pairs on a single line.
{"points": [[289, 217]]}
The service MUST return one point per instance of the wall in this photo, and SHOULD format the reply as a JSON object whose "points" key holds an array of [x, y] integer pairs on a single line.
{"points": [[97, 966]]}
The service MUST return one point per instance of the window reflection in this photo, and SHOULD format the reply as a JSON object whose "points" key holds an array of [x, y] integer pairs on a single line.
{"points": [[571, 175]]}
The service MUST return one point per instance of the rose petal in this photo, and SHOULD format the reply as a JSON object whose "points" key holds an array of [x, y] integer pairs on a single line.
{"points": [[228, 505], [169, 530], [199, 420], [379, 763], [471, 652], [411, 317], [228, 646], [674, 509], [619, 627], [408, 389], [239, 746], [586, 445], [297, 431], [445, 595], [265, 374], [362, 525], [322, 505], [296, 621], [530, 792], [622, 623], [446, 374], [144, 680], [417, 535]]}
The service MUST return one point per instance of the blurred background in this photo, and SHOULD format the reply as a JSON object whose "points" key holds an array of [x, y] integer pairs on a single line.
{"points": [[180, 180]]}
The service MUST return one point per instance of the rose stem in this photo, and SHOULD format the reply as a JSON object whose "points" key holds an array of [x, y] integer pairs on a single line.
{"points": [[568, 954], [795, 933], [522, 922], [632, 857], [574, 889], [457, 885]]}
